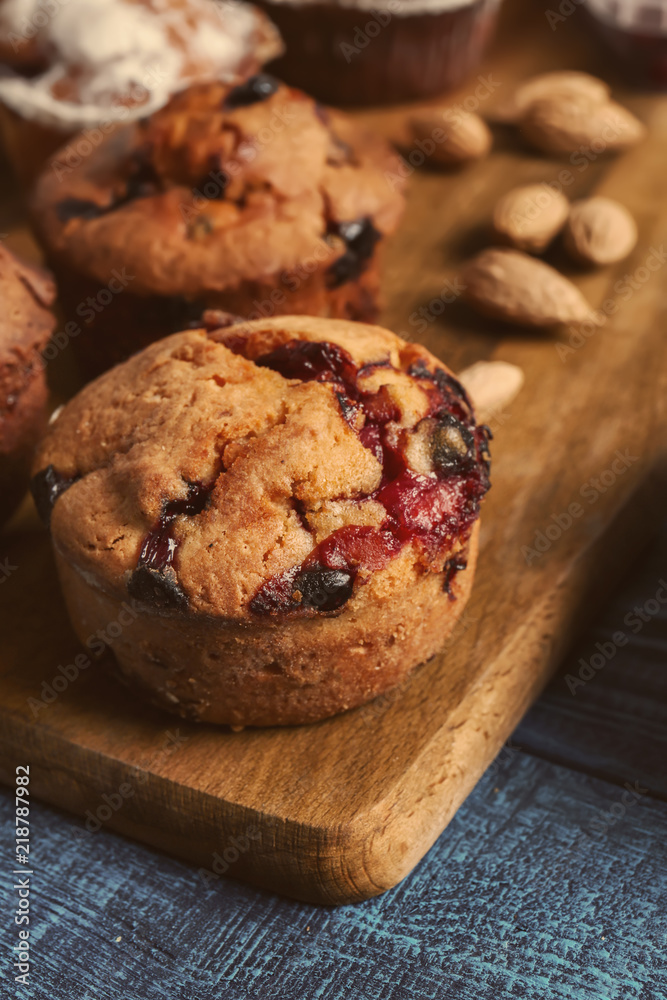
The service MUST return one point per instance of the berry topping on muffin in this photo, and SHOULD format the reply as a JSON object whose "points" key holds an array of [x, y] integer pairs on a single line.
{"points": [[277, 474]]}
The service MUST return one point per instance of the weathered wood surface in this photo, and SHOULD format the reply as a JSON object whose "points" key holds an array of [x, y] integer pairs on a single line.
{"points": [[605, 712], [541, 886], [345, 809], [530, 892]]}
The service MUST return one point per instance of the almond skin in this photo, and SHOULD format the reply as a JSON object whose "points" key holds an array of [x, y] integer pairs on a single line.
{"points": [[530, 217], [564, 125], [555, 86], [510, 285], [599, 231], [457, 137], [491, 385]]}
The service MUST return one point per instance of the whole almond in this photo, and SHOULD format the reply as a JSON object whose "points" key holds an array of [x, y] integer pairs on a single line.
{"points": [[510, 285], [491, 385], [555, 86], [565, 125], [452, 136], [599, 231], [529, 217]]}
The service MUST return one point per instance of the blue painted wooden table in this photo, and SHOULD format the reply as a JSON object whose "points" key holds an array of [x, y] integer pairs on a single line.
{"points": [[550, 882]]}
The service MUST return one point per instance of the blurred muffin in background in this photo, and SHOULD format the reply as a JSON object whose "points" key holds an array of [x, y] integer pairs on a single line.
{"points": [[251, 199], [356, 52], [89, 64], [26, 324], [635, 32]]}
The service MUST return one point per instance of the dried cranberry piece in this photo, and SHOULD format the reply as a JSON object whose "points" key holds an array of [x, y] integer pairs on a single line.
{"points": [[360, 237], [276, 595], [421, 505], [379, 407], [448, 384], [213, 186], [449, 391], [316, 587], [371, 438], [356, 546], [348, 408], [154, 580], [257, 88], [46, 486], [434, 510], [324, 589], [484, 435], [142, 182], [453, 446], [452, 567], [157, 588], [79, 208], [310, 360], [325, 580]]}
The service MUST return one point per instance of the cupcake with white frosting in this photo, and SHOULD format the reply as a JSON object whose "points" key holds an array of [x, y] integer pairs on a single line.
{"points": [[85, 65]]}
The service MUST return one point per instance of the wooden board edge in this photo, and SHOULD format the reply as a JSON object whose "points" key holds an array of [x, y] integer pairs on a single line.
{"points": [[377, 847]]}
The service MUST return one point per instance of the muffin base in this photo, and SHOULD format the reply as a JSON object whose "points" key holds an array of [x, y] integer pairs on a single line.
{"points": [[264, 673], [118, 325], [350, 56], [28, 145]]}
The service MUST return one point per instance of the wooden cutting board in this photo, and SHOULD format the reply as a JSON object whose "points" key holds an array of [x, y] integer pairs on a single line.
{"points": [[342, 810]]}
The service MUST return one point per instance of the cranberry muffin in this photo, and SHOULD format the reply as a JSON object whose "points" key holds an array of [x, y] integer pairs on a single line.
{"points": [[85, 65], [250, 199], [26, 324], [289, 507]]}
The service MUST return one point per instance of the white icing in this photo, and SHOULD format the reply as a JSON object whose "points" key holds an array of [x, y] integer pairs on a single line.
{"points": [[110, 50]]}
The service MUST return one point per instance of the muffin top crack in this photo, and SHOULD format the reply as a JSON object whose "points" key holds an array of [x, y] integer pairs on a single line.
{"points": [[272, 469]]}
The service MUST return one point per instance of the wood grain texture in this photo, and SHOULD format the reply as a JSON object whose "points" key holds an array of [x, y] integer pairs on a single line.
{"points": [[614, 725], [346, 808], [519, 898]]}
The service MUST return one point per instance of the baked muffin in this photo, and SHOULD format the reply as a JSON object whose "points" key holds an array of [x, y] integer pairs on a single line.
{"points": [[88, 64], [249, 199], [26, 324], [352, 52], [283, 513]]}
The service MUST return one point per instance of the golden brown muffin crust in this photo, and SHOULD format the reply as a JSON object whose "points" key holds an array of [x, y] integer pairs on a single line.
{"points": [[287, 508], [281, 460]]}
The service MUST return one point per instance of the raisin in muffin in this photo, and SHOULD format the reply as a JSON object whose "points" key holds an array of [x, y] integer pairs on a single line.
{"points": [[288, 506], [26, 324], [89, 64], [249, 199]]}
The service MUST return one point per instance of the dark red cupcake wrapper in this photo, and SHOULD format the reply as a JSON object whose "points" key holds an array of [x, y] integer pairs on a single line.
{"points": [[349, 56]]}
